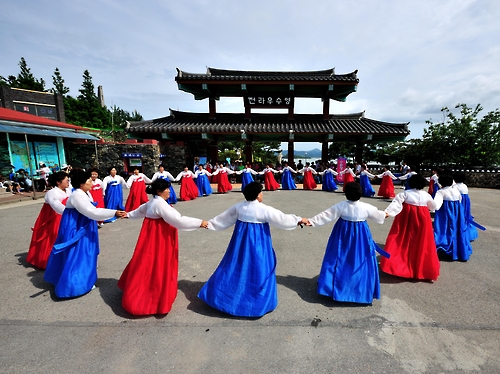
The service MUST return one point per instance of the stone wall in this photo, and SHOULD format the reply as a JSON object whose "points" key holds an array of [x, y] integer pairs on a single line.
{"points": [[480, 178]]}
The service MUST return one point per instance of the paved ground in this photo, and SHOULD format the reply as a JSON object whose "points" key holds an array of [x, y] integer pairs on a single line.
{"points": [[452, 325]]}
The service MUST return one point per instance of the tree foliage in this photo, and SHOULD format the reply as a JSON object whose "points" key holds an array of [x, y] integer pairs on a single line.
{"points": [[264, 152], [462, 140], [84, 110], [25, 79]]}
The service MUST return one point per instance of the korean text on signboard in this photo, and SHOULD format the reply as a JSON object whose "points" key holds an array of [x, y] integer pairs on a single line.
{"points": [[269, 101]]}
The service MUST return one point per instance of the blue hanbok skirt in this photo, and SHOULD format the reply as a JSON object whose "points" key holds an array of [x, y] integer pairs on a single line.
{"points": [[366, 186], [450, 231], [203, 185], [244, 283], [245, 179], [113, 199], [287, 182], [72, 264], [469, 218], [349, 271], [329, 183]]}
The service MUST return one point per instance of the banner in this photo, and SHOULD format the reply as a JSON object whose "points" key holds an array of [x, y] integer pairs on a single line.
{"points": [[341, 165]]}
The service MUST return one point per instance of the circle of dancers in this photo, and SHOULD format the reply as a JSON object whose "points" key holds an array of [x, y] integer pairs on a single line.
{"points": [[65, 236]]}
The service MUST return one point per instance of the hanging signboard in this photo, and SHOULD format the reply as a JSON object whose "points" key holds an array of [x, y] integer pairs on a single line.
{"points": [[268, 101]]}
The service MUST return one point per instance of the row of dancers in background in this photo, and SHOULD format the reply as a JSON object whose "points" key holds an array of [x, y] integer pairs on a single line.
{"points": [[244, 283]]}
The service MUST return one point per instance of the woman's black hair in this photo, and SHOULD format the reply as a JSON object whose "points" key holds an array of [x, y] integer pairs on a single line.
{"points": [[79, 177], [112, 167], [161, 166], [353, 191], [57, 177], [94, 170], [252, 190], [459, 177], [158, 185], [417, 181], [445, 180]]}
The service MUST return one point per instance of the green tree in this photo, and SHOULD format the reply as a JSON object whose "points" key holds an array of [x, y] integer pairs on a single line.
{"points": [[58, 82], [25, 79], [463, 140], [89, 111]]}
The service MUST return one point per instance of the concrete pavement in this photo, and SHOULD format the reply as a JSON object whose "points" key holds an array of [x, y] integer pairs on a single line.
{"points": [[451, 325]]}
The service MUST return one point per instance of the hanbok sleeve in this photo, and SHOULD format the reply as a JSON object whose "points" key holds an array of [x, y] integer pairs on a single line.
{"points": [[370, 175], [174, 218], [328, 215], [146, 179], [140, 212], [83, 204], [155, 176], [178, 177], [104, 185], [170, 176], [396, 206], [281, 220], [375, 214], [54, 201], [130, 180], [438, 199], [224, 220], [122, 182]]}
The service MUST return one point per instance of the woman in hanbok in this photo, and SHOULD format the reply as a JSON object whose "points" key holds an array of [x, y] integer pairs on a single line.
{"points": [[270, 183], [72, 265], [364, 181], [246, 175], [113, 192], [450, 225], [433, 182], [223, 184], [349, 271], [189, 190], [202, 181], [329, 179], [163, 174], [287, 180], [308, 171], [137, 196], [349, 176], [406, 177], [411, 238], [47, 224], [472, 226], [244, 283], [215, 176], [96, 191], [386, 188], [149, 282]]}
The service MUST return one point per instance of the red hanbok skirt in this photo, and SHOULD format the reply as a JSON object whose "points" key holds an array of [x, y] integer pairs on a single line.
{"points": [[44, 236], [269, 182], [137, 196], [386, 188], [347, 178], [223, 184], [431, 187], [411, 245], [309, 183], [149, 282], [189, 190], [98, 197]]}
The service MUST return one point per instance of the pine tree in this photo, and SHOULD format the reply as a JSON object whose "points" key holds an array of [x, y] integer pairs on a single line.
{"points": [[58, 82], [25, 79]]}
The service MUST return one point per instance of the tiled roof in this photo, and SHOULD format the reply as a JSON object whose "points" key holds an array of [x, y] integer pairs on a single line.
{"points": [[242, 75], [260, 123]]}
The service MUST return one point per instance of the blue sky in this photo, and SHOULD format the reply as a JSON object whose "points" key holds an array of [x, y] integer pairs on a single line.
{"points": [[413, 57]]}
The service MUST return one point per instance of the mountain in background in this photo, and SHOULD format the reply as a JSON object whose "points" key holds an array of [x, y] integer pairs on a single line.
{"points": [[313, 153]]}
